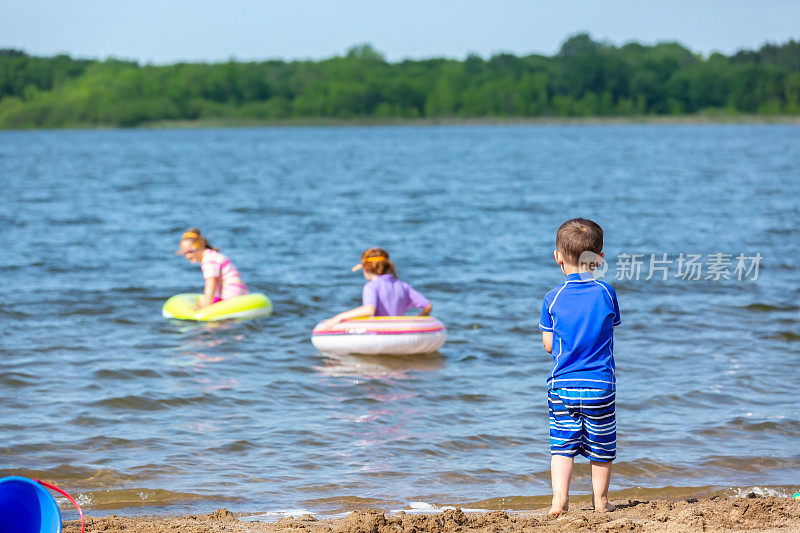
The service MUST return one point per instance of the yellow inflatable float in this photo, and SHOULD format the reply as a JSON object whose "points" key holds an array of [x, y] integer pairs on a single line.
{"points": [[183, 307]]}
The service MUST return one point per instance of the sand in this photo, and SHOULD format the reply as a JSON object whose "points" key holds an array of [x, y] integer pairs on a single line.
{"points": [[716, 514]]}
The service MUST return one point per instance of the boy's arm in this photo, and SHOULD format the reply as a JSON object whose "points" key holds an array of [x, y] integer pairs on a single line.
{"points": [[546, 325], [547, 341], [614, 305]]}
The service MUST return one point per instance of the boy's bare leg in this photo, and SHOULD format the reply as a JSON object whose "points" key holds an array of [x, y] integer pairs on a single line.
{"points": [[601, 477], [560, 474]]}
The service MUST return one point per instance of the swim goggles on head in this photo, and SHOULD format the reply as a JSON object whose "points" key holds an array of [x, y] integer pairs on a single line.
{"points": [[187, 252], [374, 259]]}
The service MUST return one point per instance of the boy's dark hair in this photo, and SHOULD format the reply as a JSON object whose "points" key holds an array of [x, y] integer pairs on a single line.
{"points": [[578, 235]]}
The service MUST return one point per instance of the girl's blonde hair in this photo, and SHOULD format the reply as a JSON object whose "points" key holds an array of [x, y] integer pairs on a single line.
{"points": [[194, 236], [376, 261]]}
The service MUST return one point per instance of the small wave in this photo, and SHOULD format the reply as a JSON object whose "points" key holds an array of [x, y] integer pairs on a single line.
{"points": [[788, 336], [101, 310], [466, 397], [750, 464], [429, 508], [343, 504], [764, 492], [84, 500], [647, 468], [107, 373], [412, 508], [233, 447], [528, 503], [74, 221], [481, 441], [123, 321], [142, 403], [11, 314], [17, 380], [143, 497], [71, 477], [133, 290], [767, 308], [274, 516], [778, 427]]}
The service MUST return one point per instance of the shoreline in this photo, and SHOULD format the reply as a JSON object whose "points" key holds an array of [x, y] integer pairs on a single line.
{"points": [[144, 501], [715, 514], [478, 121], [321, 122]]}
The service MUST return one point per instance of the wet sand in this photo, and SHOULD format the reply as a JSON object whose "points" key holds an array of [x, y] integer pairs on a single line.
{"points": [[717, 514]]}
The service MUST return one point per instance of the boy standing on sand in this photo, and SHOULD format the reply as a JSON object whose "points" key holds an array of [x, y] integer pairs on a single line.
{"points": [[577, 323]]}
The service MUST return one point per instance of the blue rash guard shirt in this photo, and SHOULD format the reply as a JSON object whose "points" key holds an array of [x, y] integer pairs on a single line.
{"points": [[582, 313]]}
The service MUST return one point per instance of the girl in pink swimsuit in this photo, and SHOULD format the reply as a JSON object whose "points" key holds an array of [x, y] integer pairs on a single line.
{"points": [[222, 278]]}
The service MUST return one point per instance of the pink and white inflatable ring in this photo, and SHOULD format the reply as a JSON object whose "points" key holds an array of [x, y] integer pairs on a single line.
{"points": [[396, 335]]}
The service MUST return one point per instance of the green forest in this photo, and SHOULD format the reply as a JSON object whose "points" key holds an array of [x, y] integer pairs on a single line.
{"points": [[586, 78]]}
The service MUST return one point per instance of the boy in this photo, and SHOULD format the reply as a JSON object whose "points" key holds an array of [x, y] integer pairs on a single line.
{"points": [[577, 323]]}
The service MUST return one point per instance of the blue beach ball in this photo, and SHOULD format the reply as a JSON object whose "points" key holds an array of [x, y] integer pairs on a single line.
{"points": [[796, 496], [27, 507]]}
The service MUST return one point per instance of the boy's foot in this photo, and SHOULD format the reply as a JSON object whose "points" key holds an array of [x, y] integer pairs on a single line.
{"points": [[606, 507], [558, 509]]}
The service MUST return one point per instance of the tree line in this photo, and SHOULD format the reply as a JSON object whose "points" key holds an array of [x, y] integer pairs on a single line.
{"points": [[586, 78]]}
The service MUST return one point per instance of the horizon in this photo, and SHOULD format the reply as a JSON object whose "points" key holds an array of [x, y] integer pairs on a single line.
{"points": [[344, 53], [305, 30]]}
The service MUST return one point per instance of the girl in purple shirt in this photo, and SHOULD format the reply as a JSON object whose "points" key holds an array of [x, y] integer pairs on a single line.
{"points": [[383, 294]]}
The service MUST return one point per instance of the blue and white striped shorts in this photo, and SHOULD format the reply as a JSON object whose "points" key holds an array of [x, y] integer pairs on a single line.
{"points": [[583, 421]]}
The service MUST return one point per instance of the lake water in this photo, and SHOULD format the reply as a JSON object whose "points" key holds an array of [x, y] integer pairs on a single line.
{"points": [[138, 414]]}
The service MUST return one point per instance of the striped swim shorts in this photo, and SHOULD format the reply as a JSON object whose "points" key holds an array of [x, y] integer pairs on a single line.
{"points": [[583, 421]]}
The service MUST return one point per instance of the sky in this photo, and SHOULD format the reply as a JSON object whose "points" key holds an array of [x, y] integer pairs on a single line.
{"points": [[166, 31]]}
